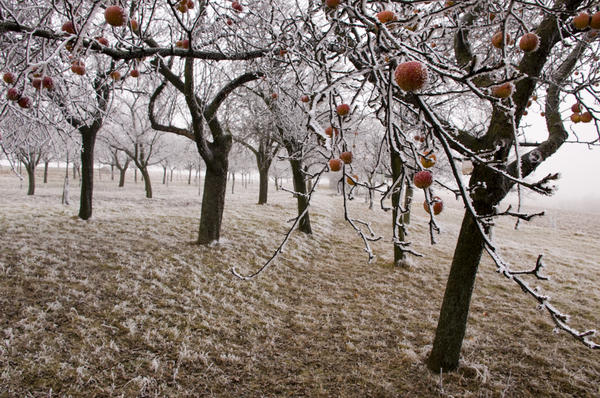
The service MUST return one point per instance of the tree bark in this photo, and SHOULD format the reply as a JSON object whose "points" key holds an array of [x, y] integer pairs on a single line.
{"points": [[88, 138], [302, 200], [112, 172], [452, 322], [30, 167], [263, 191], [190, 175], [147, 183], [213, 203]]}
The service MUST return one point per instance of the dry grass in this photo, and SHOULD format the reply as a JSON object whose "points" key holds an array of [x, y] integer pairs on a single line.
{"points": [[126, 305]]}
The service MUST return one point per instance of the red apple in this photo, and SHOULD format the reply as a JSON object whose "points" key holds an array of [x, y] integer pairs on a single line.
{"points": [[386, 16], [346, 157], [343, 109], [586, 117], [576, 107], [529, 42], [68, 27], [436, 203], [237, 6], [335, 164], [190, 4], [304, 98], [9, 77], [423, 179], [274, 96], [428, 160], [330, 130], [114, 15], [134, 25], [24, 102], [78, 67], [575, 117], [497, 39], [134, 73], [182, 6], [37, 83], [48, 83], [411, 76], [13, 94], [229, 21], [581, 21], [332, 3], [503, 90], [115, 75]]}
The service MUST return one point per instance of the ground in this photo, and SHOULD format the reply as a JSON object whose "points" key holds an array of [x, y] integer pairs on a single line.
{"points": [[125, 304]]}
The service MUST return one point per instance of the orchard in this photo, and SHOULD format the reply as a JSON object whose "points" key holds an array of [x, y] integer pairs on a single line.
{"points": [[450, 103]]}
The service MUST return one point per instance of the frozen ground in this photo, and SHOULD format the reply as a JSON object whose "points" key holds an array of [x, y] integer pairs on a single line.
{"points": [[126, 305]]}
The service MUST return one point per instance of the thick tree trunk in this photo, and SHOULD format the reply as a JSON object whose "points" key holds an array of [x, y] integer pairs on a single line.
{"points": [[30, 167], [213, 203], [452, 322], [147, 184], [302, 200], [263, 191], [46, 163], [408, 195], [88, 138]]}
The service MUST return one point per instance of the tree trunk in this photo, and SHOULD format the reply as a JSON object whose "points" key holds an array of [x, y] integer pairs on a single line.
{"points": [[46, 163], [213, 203], [452, 322], [30, 167], [189, 175], [263, 175], [147, 184], [164, 175], [232, 181], [135, 176], [88, 138], [302, 200], [112, 172], [122, 177], [397, 166], [171, 179]]}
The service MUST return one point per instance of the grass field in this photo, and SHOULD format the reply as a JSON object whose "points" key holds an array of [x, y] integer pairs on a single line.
{"points": [[126, 305]]}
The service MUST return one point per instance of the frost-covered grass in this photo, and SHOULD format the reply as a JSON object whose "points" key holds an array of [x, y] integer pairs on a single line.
{"points": [[126, 304]]}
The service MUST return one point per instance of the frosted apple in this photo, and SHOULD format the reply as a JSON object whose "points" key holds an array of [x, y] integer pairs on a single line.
{"points": [[335, 164], [423, 179], [68, 27], [304, 98], [343, 109], [436, 203], [48, 83], [332, 3], [24, 102], [346, 157], [411, 76], [586, 117], [497, 40], [386, 16], [529, 42], [13, 94], [9, 77], [428, 160], [114, 15], [237, 6]]}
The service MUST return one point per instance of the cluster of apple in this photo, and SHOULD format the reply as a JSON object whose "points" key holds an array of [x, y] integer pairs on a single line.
{"points": [[13, 94], [577, 116], [185, 5]]}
